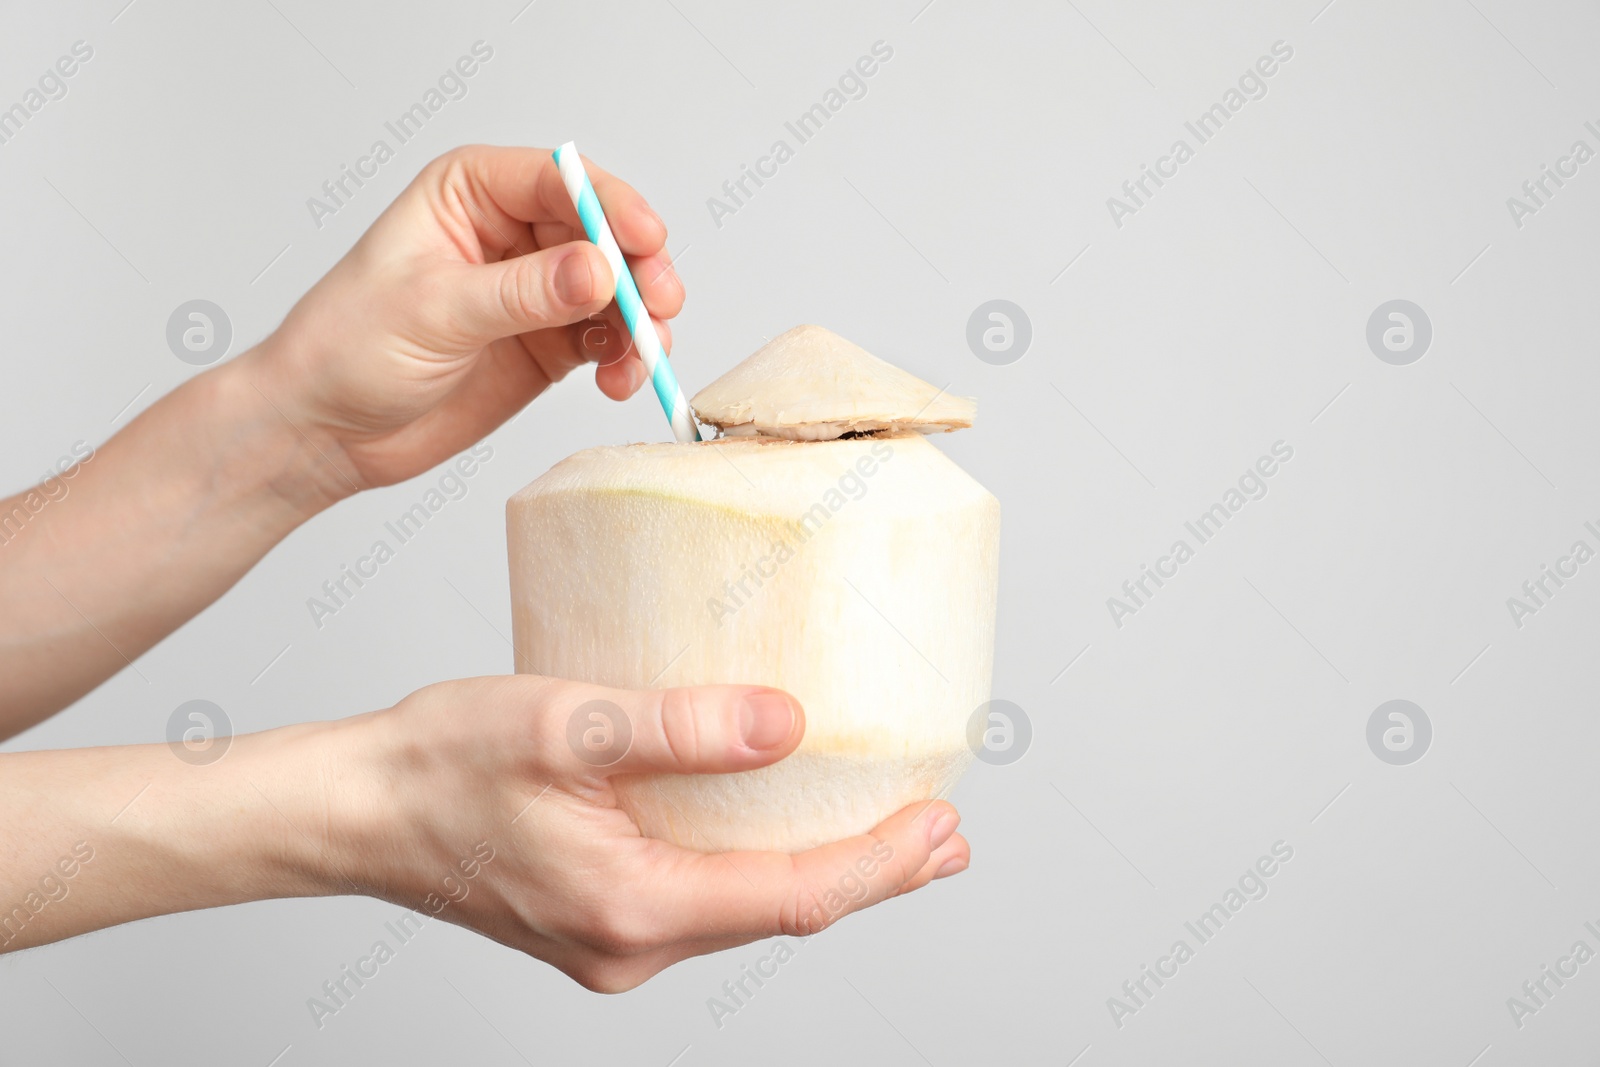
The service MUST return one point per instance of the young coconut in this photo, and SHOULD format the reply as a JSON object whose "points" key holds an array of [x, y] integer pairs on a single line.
{"points": [[822, 546]]}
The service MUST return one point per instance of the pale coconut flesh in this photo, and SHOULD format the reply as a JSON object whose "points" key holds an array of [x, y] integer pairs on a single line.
{"points": [[858, 574]]}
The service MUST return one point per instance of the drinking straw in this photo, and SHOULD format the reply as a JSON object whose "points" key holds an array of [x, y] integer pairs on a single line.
{"points": [[629, 302]]}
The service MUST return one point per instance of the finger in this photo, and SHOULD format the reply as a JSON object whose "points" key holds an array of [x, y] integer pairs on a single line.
{"points": [[552, 287], [550, 234], [525, 185], [763, 894], [495, 192], [507, 188], [599, 338], [604, 338], [950, 858], [659, 284], [638, 229], [620, 380], [620, 369], [692, 730]]}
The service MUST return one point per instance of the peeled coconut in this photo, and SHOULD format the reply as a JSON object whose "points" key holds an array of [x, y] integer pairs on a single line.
{"points": [[822, 546]]}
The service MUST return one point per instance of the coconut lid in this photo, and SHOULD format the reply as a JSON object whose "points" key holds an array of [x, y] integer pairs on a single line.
{"points": [[811, 384]]}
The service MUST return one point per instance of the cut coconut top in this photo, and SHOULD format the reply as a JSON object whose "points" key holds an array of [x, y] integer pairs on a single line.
{"points": [[810, 384]]}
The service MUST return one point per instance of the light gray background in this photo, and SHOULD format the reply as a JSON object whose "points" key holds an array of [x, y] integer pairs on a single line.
{"points": [[1228, 314]]}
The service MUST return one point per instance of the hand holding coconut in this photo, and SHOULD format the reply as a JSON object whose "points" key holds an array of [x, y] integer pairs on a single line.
{"points": [[822, 546], [465, 802], [574, 882], [469, 296]]}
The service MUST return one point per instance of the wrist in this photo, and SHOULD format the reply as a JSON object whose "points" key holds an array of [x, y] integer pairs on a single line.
{"points": [[290, 469], [276, 816], [395, 835], [113, 835]]}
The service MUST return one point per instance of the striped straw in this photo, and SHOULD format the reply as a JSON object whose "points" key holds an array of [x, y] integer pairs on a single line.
{"points": [[628, 300]]}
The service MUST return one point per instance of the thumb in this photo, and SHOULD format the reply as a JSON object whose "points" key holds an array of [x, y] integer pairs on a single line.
{"points": [[693, 730], [551, 287]]}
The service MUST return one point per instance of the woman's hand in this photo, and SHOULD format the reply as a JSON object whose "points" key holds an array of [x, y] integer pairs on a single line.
{"points": [[486, 761], [469, 295], [463, 802]]}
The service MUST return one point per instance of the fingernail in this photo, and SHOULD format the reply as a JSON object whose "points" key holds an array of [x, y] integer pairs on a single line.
{"points": [[942, 828], [953, 865], [766, 720], [574, 282]]}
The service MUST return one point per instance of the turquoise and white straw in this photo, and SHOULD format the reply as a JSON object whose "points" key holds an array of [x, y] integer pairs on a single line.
{"points": [[628, 300]]}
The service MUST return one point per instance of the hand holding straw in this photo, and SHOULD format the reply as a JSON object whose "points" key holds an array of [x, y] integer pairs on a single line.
{"points": [[628, 300]]}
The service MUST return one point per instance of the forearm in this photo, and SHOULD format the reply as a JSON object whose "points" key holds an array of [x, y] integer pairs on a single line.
{"points": [[91, 838], [163, 519]]}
